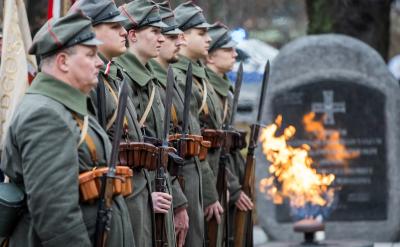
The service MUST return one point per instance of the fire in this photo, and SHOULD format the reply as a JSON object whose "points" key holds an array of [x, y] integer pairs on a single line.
{"points": [[291, 173], [334, 150]]}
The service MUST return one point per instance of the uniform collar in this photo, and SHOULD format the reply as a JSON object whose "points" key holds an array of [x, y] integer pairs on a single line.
{"points": [[221, 84], [141, 74], [105, 62], [60, 91], [197, 68], [159, 72], [112, 70]]}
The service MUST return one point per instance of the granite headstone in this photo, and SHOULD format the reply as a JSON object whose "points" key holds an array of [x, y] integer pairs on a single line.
{"points": [[343, 86]]}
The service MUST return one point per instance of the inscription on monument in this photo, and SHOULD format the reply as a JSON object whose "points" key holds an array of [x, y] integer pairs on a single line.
{"points": [[346, 134]]}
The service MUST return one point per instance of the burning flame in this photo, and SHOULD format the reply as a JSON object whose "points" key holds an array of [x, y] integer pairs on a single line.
{"points": [[335, 151], [291, 173]]}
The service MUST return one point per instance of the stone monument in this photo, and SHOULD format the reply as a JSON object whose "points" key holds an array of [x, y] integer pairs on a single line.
{"points": [[343, 86]]}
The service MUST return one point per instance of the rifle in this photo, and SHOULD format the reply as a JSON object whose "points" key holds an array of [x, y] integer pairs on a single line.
{"points": [[185, 124], [160, 180], [222, 183], [244, 220], [104, 212], [101, 105]]}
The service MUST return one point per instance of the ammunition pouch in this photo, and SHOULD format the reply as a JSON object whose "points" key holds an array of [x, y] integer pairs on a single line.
{"points": [[138, 155], [204, 146], [12, 200], [90, 183], [215, 137], [190, 146], [187, 147]]}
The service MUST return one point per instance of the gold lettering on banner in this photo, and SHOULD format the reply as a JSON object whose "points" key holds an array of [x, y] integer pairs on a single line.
{"points": [[14, 51]]}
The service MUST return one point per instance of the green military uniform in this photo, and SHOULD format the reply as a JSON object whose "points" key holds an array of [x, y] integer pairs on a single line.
{"points": [[210, 166], [139, 202], [43, 157], [192, 168], [142, 81], [236, 165], [188, 16], [224, 90]]}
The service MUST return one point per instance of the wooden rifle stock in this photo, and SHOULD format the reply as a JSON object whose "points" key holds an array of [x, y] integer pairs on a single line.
{"points": [[243, 220]]}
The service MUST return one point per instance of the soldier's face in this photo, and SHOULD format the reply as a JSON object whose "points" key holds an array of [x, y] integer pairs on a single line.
{"points": [[83, 67], [198, 42], [223, 59], [170, 48], [148, 42], [113, 36]]}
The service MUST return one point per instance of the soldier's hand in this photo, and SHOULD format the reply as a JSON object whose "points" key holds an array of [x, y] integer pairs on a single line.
{"points": [[161, 202], [244, 203], [181, 220], [214, 210]]}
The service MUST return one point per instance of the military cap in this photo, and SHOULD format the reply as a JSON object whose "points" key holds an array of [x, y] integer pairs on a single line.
{"points": [[168, 17], [100, 11], [220, 38], [64, 32], [188, 15], [141, 13]]}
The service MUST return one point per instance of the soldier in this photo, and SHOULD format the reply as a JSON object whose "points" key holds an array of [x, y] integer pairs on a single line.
{"points": [[191, 170], [46, 149], [107, 20], [220, 60], [144, 41], [205, 108]]}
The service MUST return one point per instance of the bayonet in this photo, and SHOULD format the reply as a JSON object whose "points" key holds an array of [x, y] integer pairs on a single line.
{"points": [[101, 106], [238, 85], [263, 92], [168, 105], [186, 105], [104, 213]]}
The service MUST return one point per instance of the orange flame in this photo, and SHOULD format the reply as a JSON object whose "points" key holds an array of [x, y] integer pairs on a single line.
{"points": [[333, 149], [291, 173]]}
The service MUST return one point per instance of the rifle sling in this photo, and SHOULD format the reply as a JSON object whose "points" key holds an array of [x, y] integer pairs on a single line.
{"points": [[115, 97], [83, 126], [174, 116], [148, 107], [225, 110], [203, 90]]}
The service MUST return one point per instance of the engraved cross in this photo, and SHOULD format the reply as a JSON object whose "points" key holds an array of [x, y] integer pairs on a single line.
{"points": [[328, 107]]}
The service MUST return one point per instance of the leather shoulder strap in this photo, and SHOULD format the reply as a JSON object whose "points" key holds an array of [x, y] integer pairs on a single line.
{"points": [[203, 89], [115, 97], [84, 126], [148, 107]]}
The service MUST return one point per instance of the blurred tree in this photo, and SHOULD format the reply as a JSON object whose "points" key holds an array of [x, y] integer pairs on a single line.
{"points": [[367, 20]]}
